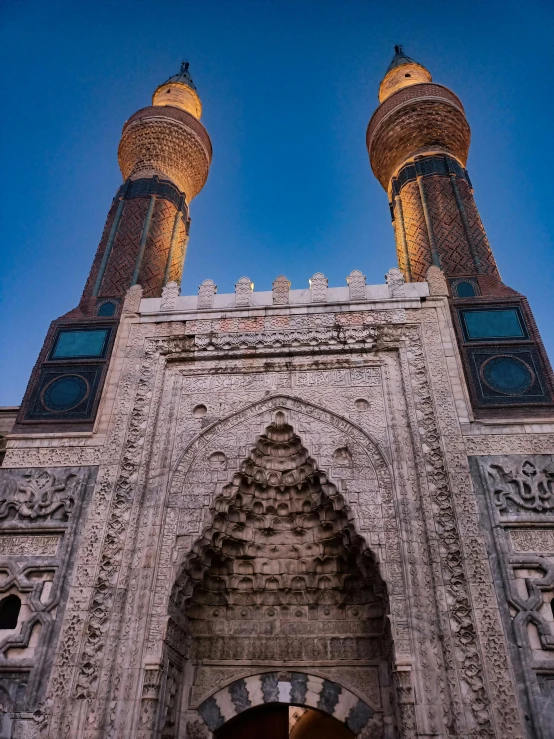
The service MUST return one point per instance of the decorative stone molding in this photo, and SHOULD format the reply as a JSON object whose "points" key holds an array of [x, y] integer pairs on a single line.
{"points": [[40, 515], [318, 286], [316, 338], [509, 444], [515, 493], [356, 283], [133, 296], [437, 281], [243, 291], [463, 639], [395, 282], [206, 294], [53, 456], [170, 293], [37, 494], [281, 288]]}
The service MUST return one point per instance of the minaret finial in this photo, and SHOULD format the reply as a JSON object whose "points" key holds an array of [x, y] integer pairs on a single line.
{"points": [[185, 66], [398, 49]]}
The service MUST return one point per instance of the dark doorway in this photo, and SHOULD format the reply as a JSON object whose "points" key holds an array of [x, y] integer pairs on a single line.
{"points": [[271, 721], [263, 722]]}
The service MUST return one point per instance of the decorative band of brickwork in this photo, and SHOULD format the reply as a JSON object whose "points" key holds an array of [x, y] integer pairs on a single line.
{"points": [[148, 186], [426, 90], [427, 166]]}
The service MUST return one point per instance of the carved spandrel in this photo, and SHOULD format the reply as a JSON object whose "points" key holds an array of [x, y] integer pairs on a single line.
{"points": [[520, 486], [38, 496]]}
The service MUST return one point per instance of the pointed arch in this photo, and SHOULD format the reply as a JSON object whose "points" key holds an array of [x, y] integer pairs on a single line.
{"points": [[364, 439], [279, 550]]}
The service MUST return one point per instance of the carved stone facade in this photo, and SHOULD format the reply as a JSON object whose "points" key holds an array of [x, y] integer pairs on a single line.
{"points": [[283, 510], [517, 503]]}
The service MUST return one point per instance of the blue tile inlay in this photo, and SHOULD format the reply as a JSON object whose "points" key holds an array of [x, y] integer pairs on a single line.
{"points": [[298, 688], [209, 710], [329, 696], [269, 687], [239, 695], [358, 717]]}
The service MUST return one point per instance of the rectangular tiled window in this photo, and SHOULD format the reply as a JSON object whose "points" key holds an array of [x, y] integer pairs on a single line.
{"points": [[499, 323], [80, 343]]}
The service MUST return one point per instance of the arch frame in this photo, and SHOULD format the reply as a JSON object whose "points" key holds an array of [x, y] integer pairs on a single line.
{"points": [[294, 688]]}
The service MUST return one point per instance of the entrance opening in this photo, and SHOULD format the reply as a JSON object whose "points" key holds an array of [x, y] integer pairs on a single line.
{"points": [[280, 721]]}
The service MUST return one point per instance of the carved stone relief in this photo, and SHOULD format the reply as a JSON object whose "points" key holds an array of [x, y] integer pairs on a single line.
{"points": [[206, 293], [40, 512], [424, 532], [395, 282], [318, 286], [170, 293], [243, 291], [356, 284], [281, 288], [294, 557], [516, 495]]}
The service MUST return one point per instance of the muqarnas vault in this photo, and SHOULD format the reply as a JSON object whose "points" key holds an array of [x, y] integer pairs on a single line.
{"points": [[310, 512]]}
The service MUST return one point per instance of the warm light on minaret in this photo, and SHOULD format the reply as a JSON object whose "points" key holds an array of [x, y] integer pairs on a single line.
{"points": [[402, 72], [180, 92]]}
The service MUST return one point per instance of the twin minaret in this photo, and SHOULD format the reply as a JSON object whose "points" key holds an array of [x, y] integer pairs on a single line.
{"points": [[418, 142], [417, 139], [164, 156]]}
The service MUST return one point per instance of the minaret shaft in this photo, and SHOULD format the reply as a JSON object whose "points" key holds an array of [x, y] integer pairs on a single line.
{"points": [[164, 155], [163, 240], [418, 142], [437, 222]]}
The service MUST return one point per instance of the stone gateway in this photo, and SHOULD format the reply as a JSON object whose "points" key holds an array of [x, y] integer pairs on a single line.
{"points": [[316, 511]]}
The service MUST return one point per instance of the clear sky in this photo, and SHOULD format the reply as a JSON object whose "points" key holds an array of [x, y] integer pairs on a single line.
{"points": [[288, 87]]}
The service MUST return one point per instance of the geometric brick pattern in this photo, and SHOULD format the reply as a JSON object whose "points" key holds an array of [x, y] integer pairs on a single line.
{"points": [[167, 142], [419, 248], [448, 229], [152, 269], [121, 264], [418, 127], [477, 230], [87, 292]]}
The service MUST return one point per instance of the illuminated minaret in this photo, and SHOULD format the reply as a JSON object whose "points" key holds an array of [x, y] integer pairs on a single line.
{"points": [[418, 142], [164, 156]]}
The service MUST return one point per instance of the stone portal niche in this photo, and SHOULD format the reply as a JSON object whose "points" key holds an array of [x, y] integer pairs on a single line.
{"points": [[277, 602]]}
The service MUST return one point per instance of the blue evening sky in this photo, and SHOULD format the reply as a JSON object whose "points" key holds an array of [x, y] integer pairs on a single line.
{"points": [[288, 87]]}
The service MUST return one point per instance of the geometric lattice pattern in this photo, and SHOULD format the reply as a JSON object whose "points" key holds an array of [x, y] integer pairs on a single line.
{"points": [[450, 236]]}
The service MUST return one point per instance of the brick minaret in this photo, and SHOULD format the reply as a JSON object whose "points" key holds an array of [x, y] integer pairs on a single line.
{"points": [[164, 156], [418, 142]]}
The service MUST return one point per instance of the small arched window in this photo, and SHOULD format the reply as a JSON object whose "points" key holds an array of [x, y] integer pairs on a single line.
{"points": [[9, 612], [107, 309], [465, 290]]}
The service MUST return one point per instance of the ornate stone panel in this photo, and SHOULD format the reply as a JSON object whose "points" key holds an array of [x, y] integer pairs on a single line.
{"points": [[516, 495], [375, 407], [41, 512]]}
